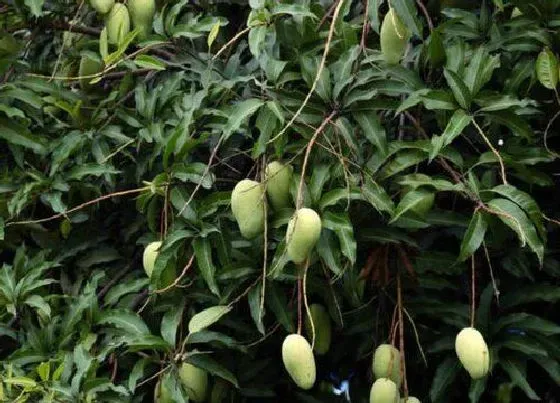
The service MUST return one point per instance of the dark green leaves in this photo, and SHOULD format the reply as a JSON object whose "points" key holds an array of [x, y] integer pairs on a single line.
{"points": [[460, 91], [474, 236], [458, 122], [547, 69]]}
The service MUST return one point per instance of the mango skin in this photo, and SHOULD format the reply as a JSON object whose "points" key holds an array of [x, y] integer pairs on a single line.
{"points": [[323, 329], [278, 178], [195, 381], [299, 361], [387, 363], [304, 230], [102, 6], [142, 15], [247, 205], [473, 353], [117, 23], [410, 399], [90, 64], [384, 391], [393, 37]]}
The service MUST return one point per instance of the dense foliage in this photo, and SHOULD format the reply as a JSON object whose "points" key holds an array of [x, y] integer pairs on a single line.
{"points": [[434, 176]]}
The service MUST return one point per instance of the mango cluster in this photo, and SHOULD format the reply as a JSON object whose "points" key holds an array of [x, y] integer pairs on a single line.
{"points": [[248, 207]]}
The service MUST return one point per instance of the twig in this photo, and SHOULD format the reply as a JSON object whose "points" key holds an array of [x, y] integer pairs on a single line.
{"points": [[265, 251], [231, 42], [299, 320], [494, 285], [263, 338], [79, 207], [417, 337], [401, 337], [299, 199], [307, 311], [426, 14], [546, 133], [496, 153], [178, 279], [206, 171], [473, 291], [236, 300], [365, 26], [113, 281], [317, 76], [79, 29], [154, 376]]}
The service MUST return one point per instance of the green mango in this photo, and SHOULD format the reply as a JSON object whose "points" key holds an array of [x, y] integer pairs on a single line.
{"points": [[387, 363], [142, 15], [117, 23], [384, 391], [299, 361], [473, 353], [322, 326], [162, 395], [304, 230], [90, 64], [247, 205], [410, 399], [195, 381], [102, 6], [393, 37], [278, 178]]}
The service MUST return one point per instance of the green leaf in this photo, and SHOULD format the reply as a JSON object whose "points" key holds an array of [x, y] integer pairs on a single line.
{"points": [[372, 129], [203, 253], [444, 376], [213, 34], [526, 202], [257, 36], [477, 389], [207, 317], [547, 69], [517, 220], [149, 62], [239, 113], [528, 322], [21, 381], [412, 199], [276, 301], [480, 69], [377, 196], [170, 322], [257, 313], [460, 91], [127, 321], [517, 374], [37, 302], [550, 365], [474, 236], [295, 10], [35, 6], [339, 195], [44, 371], [213, 367], [406, 10], [16, 134], [532, 293], [342, 227], [458, 122]]}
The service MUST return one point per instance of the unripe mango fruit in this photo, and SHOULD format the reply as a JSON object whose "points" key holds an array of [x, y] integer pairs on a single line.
{"points": [[322, 326], [90, 64], [304, 230], [410, 399], [195, 381], [117, 23], [278, 178], [393, 37], [473, 353], [142, 15], [384, 391], [149, 257], [299, 361], [247, 205], [102, 6], [386, 363]]}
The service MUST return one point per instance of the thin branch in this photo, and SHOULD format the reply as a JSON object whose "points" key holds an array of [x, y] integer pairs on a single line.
{"points": [[79, 207], [299, 199], [426, 14], [317, 76], [494, 285], [231, 42], [401, 337], [178, 279], [473, 292], [365, 26], [496, 153], [307, 311]]}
